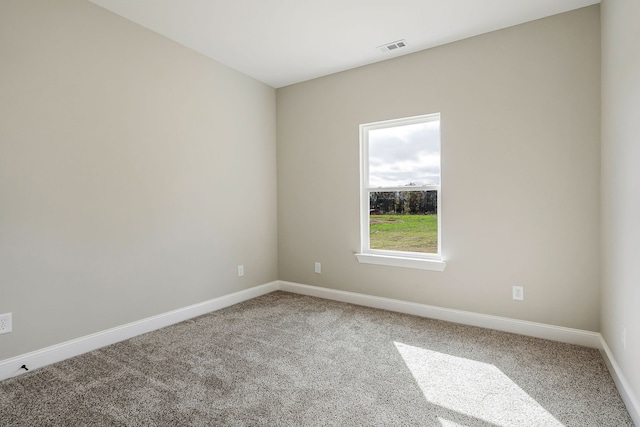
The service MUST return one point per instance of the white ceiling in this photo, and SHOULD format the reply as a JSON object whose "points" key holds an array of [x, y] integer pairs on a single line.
{"points": [[281, 42]]}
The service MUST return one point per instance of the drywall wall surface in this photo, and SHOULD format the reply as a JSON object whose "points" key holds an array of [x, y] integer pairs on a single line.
{"points": [[520, 171], [620, 189], [135, 174]]}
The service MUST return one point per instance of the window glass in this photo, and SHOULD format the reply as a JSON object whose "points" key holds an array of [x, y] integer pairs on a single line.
{"points": [[401, 187], [405, 155]]}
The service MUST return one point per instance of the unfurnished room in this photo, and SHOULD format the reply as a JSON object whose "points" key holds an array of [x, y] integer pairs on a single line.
{"points": [[305, 213]]}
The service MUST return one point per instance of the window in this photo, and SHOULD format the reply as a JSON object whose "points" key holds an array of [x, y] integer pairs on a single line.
{"points": [[400, 193]]}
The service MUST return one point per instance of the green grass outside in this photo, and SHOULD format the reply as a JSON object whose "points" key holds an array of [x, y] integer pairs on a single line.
{"points": [[409, 233]]}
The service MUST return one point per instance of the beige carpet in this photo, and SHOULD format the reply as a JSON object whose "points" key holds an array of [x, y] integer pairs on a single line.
{"points": [[290, 360]]}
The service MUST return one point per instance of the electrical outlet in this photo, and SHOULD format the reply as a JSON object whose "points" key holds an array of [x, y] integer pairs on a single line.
{"points": [[518, 293], [240, 270], [5, 323], [318, 268], [624, 337]]}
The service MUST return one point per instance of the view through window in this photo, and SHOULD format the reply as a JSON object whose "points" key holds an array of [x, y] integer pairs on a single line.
{"points": [[401, 186]]}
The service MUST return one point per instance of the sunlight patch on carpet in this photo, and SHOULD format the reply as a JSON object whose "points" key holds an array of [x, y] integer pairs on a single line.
{"points": [[475, 389], [448, 423]]}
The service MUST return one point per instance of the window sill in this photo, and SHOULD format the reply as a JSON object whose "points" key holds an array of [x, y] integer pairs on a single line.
{"points": [[393, 261]]}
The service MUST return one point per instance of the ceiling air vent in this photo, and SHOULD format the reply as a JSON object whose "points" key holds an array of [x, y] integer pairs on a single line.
{"points": [[393, 45]]}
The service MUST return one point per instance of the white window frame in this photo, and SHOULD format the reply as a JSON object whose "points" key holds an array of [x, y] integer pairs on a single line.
{"points": [[419, 260]]}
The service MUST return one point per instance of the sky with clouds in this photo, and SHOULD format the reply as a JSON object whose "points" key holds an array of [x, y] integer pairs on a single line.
{"points": [[405, 154]]}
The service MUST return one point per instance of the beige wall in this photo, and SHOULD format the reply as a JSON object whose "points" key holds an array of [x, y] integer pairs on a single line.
{"points": [[135, 174], [520, 171], [621, 183], [127, 161]]}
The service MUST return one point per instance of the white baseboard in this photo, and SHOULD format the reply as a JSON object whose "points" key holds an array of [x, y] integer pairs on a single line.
{"points": [[628, 397], [56, 353], [522, 327]]}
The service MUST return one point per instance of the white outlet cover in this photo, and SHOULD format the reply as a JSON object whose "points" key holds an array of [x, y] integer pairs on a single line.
{"points": [[318, 268], [518, 293], [5, 323], [240, 270]]}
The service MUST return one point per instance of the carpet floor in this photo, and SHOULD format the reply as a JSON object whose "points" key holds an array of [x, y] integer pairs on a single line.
{"points": [[290, 360]]}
